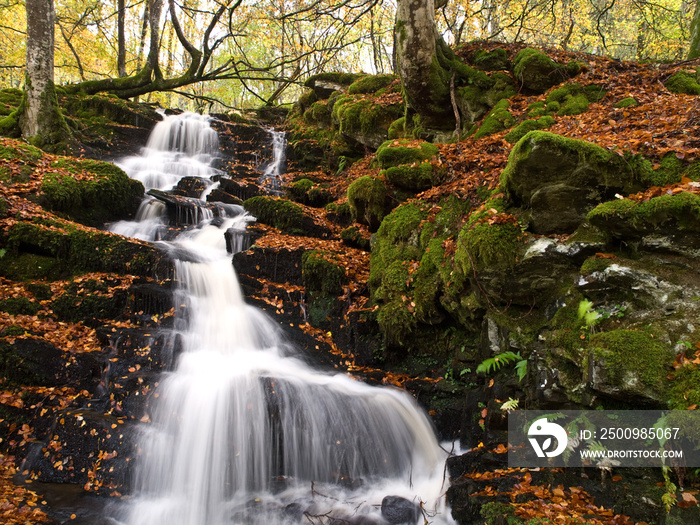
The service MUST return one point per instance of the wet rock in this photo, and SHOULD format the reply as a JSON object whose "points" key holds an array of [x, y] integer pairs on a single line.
{"points": [[191, 186], [398, 510]]}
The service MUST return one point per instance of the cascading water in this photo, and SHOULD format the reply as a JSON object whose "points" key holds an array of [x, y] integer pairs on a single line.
{"points": [[242, 430]]}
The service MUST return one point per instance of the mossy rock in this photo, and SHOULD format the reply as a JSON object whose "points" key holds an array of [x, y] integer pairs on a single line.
{"points": [[19, 306], [494, 60], [18, 151], [683, 82], [484, 246], [362, 120], [526, 126], [629, 363], [339, 213], [367, 199], [413, 177], [627, 102], [308, 192], [573, 98], [90, 192], [400, 152], [477, 98], [371, 84], [557, 176], [89, 301], [353, 236], [676, 216], [497, 120], [53, 249], [536, 71], [322, 272], [280, 213], [397, 129]]}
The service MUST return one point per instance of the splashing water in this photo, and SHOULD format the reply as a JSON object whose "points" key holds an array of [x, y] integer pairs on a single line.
{"points": [[245, 432]]}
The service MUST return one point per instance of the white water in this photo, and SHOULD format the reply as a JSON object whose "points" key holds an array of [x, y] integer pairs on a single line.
{"points": [[242, 431]]}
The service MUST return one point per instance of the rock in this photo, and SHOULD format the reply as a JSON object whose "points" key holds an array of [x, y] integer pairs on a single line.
{"points": [[398, 510], [560, 180]]}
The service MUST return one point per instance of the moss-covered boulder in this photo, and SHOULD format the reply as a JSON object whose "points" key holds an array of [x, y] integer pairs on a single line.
{"points": [[367, 199], [363, 119], [398, 152], [497, 120], [90, 192], [629, 364], [684, 81], [51, 249], [559, 179], [308, 192], [573, 98], [481, 93], [536, 71], [280, 213], [668, 220], [528, 125], [371, 84], [495, 60]]}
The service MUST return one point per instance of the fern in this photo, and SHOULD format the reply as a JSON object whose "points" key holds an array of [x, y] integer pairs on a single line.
{"points": [[495, 363]]}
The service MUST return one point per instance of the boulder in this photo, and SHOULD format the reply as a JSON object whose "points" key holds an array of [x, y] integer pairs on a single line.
{"points": [[560, 179], [398, 510]]}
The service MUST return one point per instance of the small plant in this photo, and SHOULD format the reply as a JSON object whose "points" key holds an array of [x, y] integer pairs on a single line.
{"points": [[493, 364], [510, 405], [587, 314]]}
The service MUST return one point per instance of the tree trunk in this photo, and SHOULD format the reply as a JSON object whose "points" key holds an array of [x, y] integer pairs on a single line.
{"points": [[423, 63], [40, 119], [121, 38], [694, 45]]}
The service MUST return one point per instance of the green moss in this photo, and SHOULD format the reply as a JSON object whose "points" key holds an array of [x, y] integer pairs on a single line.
{"points": [[494, 60], [356, 114], [277, 212], [322, 272], [573, 99], [670, 171], [632, 353], [414, 177], [90, 192], [488, 247], [399, 152], [526, 126], [19, 306], [340, 213], [495, 513], [594, 264], [308, 192], [397, 129], [628, 102], [88, 300], [52, 249], [352, 236], [497, 120], [684, 390], [685, 82], [370, 84], [536, 109], [535, 70], [19, 151], [367, 197], [679, 212], [541, 158]]}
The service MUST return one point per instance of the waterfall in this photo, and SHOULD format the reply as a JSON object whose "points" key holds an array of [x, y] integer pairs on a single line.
{"points": [[244, 431], [271, 177]]}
